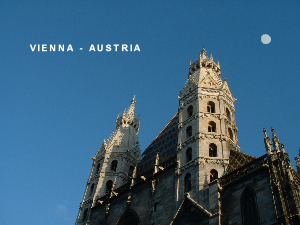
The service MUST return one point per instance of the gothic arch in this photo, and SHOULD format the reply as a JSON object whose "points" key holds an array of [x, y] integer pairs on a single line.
{"points": [[129, 217], [249, 207]]}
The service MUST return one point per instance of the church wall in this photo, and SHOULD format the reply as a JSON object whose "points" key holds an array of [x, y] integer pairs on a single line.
{"points": [[231, 198], [142, 202]]}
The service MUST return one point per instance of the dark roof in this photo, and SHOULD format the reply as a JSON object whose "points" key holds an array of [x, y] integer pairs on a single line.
{"points": [[166, 144], [237, 160]]}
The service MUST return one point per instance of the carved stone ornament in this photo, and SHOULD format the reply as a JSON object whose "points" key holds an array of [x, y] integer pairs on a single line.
{"points": [[153, 186]]}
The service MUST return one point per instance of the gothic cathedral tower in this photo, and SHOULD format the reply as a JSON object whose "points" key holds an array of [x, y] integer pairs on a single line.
{"points": [[207, 129], [118, 154]]}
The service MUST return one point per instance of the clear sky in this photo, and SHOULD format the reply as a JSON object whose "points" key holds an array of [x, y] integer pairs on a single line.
{"points": [[57, 107]]}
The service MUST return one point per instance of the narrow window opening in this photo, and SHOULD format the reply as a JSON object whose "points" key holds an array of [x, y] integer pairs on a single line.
{"points": [[190, 110], [213, 175], [92, 189], [84, 217], [230, 134], [155, 207], [188, 131], [228, 114], [109, 185], [213, 150], [114, 165], [189, 154], [187, 183]]}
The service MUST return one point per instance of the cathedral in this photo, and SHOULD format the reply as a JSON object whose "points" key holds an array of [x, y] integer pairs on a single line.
{"points": [[193, 172]]}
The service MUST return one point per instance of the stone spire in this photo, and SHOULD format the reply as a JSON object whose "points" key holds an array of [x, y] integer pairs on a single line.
{"points": [[276, 143], [268, 144]]}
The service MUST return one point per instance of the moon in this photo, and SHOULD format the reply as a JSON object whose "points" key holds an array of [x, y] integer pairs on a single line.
{"points": [[265, 39]]}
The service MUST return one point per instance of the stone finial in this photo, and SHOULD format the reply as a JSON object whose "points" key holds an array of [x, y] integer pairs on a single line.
{"points": [[191, 62], [276, 143], [156, 166], [282, 147], [211, 57], [268, 144]]}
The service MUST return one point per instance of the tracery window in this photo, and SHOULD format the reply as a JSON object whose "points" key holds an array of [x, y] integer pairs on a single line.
{"points": [[213, 175], [187, 183], [213, 152], [114, 165], [211, 107], [188, 154], [212, 126], [249, 207]]}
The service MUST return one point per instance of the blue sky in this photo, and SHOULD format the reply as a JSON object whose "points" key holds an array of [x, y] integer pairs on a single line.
{"points": [[57, 107]]}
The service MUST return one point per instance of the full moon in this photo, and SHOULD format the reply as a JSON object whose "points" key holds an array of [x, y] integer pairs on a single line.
{"points": [[265, 39]]}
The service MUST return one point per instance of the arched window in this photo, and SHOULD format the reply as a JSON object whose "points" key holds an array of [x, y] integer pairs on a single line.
{"points": [[249, 207], [211, 107], [129, 217], [84, 217], [228, 114], [190, 111], [213, 175], [114, 165], [92, 189], [188, 131], [187, 183], [213, 152], [230, 133], [109, 185], [212, 126], [130, 172], [188, 154]]}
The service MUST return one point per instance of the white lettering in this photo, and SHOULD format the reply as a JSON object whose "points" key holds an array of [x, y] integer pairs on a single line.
{"points": [[38, 47], [92, 48], [52, 48], [124, 48], [137, 48], [61, 48], [44, 47], [100, 50], [32, 48], [70, 48], [108, 48], [116, 47]]}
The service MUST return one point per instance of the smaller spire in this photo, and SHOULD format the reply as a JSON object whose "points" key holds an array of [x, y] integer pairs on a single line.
{"points": [[211, 56], [283, 149], [276, 142], [133, 179], [267, 142], [191, 62]]}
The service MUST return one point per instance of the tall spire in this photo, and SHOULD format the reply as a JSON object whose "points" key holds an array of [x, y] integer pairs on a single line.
{"points": [[276, 143], [267, 142]]}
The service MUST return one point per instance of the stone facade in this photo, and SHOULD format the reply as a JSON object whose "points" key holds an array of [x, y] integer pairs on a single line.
{"points": [[193, 172]]}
